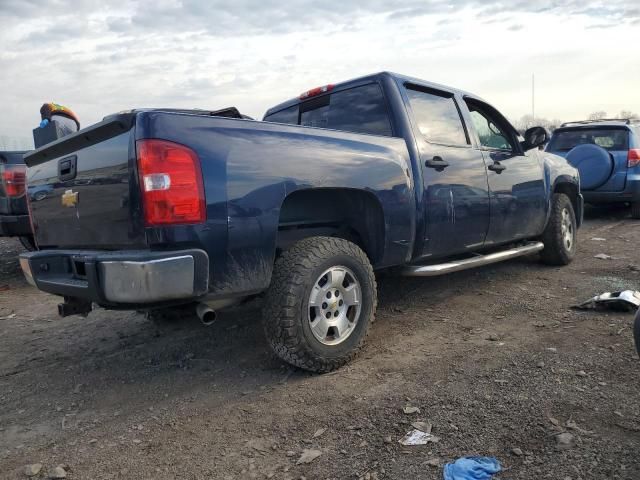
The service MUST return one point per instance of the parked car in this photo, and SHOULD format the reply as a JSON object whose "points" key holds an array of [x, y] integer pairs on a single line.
{"points": [[607, 155], [14, 213], [381, 172]]}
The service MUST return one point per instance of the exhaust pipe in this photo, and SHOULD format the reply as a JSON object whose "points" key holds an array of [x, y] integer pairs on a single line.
{"points": [[206, 314]]}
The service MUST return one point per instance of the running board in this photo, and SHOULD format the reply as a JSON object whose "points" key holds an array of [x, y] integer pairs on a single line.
{"points": [[449, 267]]}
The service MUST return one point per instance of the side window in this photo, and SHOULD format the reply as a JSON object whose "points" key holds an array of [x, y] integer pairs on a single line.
{"points": [[491, 132], [437, 117], [359, 109], [288, 115]]}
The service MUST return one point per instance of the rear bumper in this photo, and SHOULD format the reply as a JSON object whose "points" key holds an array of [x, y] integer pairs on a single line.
{"points": [[631, 194], [121, 279], [14, 226]]}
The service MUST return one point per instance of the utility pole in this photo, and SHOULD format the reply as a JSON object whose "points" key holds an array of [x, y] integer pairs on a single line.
{"points": [[533, 96]]}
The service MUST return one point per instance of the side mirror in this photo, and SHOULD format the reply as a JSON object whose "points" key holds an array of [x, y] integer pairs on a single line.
{"points": [[535, 137]]}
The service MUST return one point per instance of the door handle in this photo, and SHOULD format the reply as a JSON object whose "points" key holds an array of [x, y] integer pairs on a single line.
{"points": [[437, 162], [497, 167]]}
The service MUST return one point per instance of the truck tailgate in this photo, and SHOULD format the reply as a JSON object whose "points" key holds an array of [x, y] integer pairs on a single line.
{"points": [[88, 177]]}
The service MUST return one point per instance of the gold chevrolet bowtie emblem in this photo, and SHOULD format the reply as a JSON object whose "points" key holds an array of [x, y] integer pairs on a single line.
{"points": [[69, 198]]}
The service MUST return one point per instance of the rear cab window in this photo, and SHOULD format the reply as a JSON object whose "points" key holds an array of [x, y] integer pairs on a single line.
{"points": [[361, 109], [610, 138]]}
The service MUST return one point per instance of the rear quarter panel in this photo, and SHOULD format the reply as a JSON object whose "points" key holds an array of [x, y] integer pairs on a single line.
{"points": [[249, 168]]}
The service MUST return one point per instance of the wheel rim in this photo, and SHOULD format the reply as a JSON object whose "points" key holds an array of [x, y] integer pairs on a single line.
{"points": [[334, 305], [567, 229]]}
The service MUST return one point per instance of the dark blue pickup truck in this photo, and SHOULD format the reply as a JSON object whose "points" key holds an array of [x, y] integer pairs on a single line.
{"points": [[156, 209]]}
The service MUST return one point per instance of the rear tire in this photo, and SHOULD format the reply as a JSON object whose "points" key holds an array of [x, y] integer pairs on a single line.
{"points": [[635, 210], [560, 234], [321, 303]]}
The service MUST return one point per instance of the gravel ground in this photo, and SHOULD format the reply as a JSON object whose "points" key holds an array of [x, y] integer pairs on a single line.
{"points": [[494, 358]]}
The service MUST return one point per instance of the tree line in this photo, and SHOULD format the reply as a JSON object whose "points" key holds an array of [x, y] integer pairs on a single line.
{"points": [[528, 120]]}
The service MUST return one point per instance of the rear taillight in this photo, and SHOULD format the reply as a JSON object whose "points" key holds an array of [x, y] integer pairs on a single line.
{"points": [[14, 180], [171, 183], [633, 159]]}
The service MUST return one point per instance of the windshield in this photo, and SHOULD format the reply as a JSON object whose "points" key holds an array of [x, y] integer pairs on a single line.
{"points": [[612, 139]]}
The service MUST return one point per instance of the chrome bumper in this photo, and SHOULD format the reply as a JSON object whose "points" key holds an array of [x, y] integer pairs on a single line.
{"points": [[126, 278]]}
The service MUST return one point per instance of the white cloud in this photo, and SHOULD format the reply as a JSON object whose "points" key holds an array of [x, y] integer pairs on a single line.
{"points": [[101, 57]]}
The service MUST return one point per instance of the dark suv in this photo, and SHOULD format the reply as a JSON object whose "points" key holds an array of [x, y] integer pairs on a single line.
{"points": [[14, 212], [607, 155]]}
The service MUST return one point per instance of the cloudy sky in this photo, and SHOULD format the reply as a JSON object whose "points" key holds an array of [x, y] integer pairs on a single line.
{"points": [[102, 56]]}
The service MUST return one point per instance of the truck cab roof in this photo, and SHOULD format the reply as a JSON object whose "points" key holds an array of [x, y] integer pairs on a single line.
{"points": [[363, 80]]}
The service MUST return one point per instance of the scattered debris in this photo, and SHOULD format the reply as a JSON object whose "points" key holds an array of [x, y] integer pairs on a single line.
{"points": [[493, 337], [33, 469], [319, 432], [308, 456], [581, 373], [626, 300], [433, 462], [58, 472], [565, 440], [409, 410], [572, 425], [258, 444], [517, 452], [472, 468], [603, 256], [599, 239], [425, 427], [417, 437]]}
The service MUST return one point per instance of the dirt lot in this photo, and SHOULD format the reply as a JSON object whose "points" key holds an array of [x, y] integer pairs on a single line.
{"points": [[494, 358]]}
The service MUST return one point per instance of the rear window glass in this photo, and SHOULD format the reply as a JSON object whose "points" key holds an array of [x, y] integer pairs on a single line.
{"points": [[607, 138], [359, 109], [288, 115]]}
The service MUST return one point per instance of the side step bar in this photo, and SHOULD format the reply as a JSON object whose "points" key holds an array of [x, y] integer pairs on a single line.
{"points": [[455, 266]]}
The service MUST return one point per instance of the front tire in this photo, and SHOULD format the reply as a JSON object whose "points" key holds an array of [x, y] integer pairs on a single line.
{"points": [[321, 303], [635, 210], [560, 234]]}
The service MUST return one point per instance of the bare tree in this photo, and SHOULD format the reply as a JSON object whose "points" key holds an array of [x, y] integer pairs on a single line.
{"points": [[528, 121], [599, 115], [629, 114]]}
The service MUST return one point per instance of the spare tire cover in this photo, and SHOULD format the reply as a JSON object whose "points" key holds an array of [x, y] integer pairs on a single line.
{"points": [[594, 164]]}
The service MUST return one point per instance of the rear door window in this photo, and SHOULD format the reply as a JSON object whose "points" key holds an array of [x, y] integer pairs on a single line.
{"points": [[437, 116], [611, 139]]}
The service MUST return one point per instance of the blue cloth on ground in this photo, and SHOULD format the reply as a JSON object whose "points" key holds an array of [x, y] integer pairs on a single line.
{"points": [[472, 468]]}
